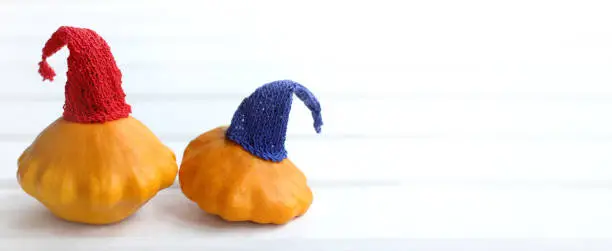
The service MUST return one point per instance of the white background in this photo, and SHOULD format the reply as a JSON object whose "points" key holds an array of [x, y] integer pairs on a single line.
{"points": [[448, 124]]}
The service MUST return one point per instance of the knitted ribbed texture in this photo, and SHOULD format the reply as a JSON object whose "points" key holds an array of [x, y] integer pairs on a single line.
{"points": [[93, 89], [260, 123]]}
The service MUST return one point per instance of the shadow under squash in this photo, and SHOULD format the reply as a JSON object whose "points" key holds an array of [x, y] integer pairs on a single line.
{"points": [[187, 213], [37, 220], [167, 210]]}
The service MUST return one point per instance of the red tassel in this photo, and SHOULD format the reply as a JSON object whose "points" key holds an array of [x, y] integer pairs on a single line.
{"points": [[45, 70]]}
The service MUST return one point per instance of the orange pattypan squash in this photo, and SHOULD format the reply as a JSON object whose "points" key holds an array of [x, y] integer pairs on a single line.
{"points": [[241, 172], [96, 164]]}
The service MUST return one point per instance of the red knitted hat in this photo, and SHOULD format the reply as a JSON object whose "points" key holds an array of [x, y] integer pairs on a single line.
{"points": [[93, 90]]}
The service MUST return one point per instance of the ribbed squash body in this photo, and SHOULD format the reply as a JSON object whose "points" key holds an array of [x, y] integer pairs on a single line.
{"points": [[225, 180], [97, 173]]}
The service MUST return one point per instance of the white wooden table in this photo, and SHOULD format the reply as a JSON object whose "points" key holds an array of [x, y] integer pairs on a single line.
{"points": [[449, 125]]}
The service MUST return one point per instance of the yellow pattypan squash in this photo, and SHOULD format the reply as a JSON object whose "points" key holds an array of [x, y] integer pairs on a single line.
{"points": [[96, 164], [241, 172]]}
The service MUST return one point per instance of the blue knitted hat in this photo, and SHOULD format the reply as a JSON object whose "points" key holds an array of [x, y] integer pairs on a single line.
{"points": [[260, 123]]}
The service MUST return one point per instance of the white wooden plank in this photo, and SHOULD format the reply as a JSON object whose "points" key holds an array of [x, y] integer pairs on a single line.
{"points": [[331, 245], [428, 117], [235, 75], [167, 49], [339, 216], [575, 163]]}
